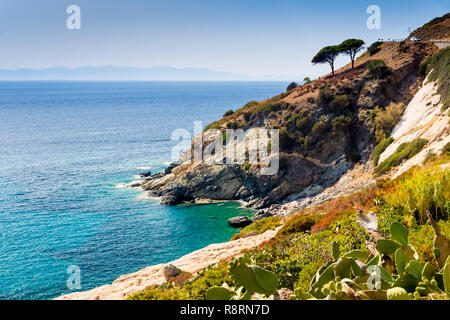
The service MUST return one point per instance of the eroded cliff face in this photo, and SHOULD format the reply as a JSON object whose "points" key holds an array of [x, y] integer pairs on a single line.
{"points": [[424, 118], [326, 127]]}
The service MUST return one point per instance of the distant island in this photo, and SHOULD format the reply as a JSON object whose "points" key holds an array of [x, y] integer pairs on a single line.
{"points": [[115, 73]]}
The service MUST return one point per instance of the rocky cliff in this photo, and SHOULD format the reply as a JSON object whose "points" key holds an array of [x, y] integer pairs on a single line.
{"points": [[326, 128]]}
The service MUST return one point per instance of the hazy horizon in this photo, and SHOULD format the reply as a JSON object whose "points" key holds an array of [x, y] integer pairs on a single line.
{"points": [[258, 39], [116, 73]]}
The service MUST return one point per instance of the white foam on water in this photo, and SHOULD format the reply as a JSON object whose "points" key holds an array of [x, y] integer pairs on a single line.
{"points": [[143, 168]]}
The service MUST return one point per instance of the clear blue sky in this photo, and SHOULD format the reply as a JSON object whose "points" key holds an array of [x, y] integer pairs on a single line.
{"points": [[255, 37]]}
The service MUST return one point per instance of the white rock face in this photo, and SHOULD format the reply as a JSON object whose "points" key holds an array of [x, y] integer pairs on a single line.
{"points": [[423, 118]]}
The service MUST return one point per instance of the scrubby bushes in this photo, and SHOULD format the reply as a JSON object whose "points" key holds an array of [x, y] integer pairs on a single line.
{"points": [[386, 120], [328, 237], [374, 48], [404, 151], [286, 141], [292, 86], [339, 102], [193, 290], [421, 191], [259, 227], [438, 65], [341, 123], [298, 223], [319, 128], [228, 113], [301, 123], [378, 70], [380, 148], [325, 95]]}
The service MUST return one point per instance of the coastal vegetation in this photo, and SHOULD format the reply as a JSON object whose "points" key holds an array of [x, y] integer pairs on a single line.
{"points": [[322, 252], [327, 55], [380, 148], [386, 241], [436, 67], [386, 119], [258, 227], [404, 152]]}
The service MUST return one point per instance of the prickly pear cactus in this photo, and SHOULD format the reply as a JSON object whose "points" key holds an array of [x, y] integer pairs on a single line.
{"points": [[253, 278], [219, 293], [398, 294], [395, 274]]}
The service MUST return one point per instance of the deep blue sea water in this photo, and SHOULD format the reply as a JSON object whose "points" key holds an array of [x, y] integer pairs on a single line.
{"points": [[64, 148]]}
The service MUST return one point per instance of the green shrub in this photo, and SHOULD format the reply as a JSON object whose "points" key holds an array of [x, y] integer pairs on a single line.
{"points": [[292, 86], [319, 128], [386, 120], [165, 292], [380, 148], [302, 123], [339, 102], [341, 123], [298, 223], [374, 47], [404, 151], [196, 289], [286, 141], [440, 64], [378, 70], [228, 113], [308, 143], [260, 226], [232, 125], [325, 95]]}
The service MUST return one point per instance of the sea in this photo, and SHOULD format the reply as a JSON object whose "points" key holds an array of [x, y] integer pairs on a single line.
{"points": [[67, 149]]}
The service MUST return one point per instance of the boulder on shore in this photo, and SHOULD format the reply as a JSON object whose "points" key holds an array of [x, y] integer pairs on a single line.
{"points": [[240, 222], [145, 174], [170, 272]]}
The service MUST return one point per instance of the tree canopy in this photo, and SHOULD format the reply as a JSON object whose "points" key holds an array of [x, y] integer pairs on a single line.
{"points": [[351, 47], [327, 55]]}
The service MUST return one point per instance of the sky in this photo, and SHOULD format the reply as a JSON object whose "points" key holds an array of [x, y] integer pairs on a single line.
{"points": [[277, 37]]}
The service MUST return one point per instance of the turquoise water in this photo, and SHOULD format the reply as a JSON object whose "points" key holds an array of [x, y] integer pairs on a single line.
{"points": [[64, 148]]}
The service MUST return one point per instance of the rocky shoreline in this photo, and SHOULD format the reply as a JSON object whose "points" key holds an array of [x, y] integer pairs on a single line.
{"points": [[204, 183]]}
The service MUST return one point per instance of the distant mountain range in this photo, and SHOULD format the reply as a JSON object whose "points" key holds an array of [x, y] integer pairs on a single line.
{"points": [[114, 73]]}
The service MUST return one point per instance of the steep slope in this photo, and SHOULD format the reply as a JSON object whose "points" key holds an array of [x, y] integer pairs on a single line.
{"points": [[323, 171], [426, 117], [437, 29], [325, 127]]}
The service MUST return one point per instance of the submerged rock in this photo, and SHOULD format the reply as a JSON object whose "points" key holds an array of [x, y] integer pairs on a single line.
{"points": [[240, 222]]}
